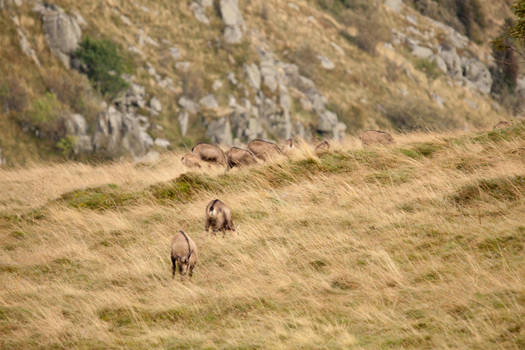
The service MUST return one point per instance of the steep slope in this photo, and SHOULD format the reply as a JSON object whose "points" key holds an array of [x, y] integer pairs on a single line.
{"points": [[415, 246], [212, 70]]}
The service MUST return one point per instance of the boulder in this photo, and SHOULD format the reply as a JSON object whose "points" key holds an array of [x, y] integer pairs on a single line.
{"points": [[188, 105], [253, 75], [119, 133], [155, 105], [209, 102], [62, 32], [232, 18], [422, 52], [219, 131], [326, 63], [478, 74], [394, 5], [452, 61], [175, 53], [76, 125]]}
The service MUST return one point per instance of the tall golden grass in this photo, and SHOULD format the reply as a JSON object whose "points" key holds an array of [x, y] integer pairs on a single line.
{"points": [[389, 251]]}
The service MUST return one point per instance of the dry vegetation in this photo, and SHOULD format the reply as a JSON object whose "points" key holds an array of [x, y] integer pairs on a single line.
{"points": [[419, 245]]}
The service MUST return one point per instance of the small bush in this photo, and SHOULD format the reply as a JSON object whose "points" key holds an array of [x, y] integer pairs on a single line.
{"points": [[66, 145], [13, 96], [430, 68], [104, 65], [420, 150], [184, 188], [44, 117], [99, 198], [503, 189], [72, 89]]}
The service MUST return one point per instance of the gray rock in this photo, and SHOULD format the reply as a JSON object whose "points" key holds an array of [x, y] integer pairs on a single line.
{"points": [[293, 6], [422, 52], [439, 62], [394, 5], [26, 47], [183, 119], [62, 32], [338, 48], [209, 102], [231, 78], [167, 83], [183, 66], [162, 143], [120, 133], [217, 84], [478, 74], [76, 125], [453, 62], [143, 39], [175, 53], [326, 63], [253, 75], [199, 12], [155, 105], [232, 18], [219, 131], [188, 105], [136, 50], [126, 20], [327, 121]]}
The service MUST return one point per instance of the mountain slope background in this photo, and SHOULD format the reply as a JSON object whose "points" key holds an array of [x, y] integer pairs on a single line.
{"points": [[228, 72]]}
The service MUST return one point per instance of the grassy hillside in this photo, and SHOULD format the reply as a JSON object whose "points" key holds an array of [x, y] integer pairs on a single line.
{"points": [[419, 245]]}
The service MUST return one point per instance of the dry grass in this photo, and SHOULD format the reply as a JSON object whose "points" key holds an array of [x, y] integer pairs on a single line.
{"points": [[359, 249]]}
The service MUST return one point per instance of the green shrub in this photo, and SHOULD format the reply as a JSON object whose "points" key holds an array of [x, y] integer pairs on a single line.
{"points": [[430, 68], [44, 117], [503, 189], [66, 145], [104, 65], [99, 198]]}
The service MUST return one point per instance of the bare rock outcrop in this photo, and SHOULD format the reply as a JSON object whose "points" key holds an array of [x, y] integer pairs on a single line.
{"points": [[61, 30]]}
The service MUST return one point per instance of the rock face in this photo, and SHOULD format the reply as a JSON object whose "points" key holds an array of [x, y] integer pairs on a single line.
{"points": [[232, 17], [77, 128], [62, 32], [268, 115], [118, 133]]}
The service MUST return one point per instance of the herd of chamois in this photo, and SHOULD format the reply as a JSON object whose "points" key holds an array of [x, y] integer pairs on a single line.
{"points": [[217, 214]]}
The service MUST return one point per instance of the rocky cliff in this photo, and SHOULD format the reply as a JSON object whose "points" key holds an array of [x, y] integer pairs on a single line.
{"points": [[229, 71]]}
